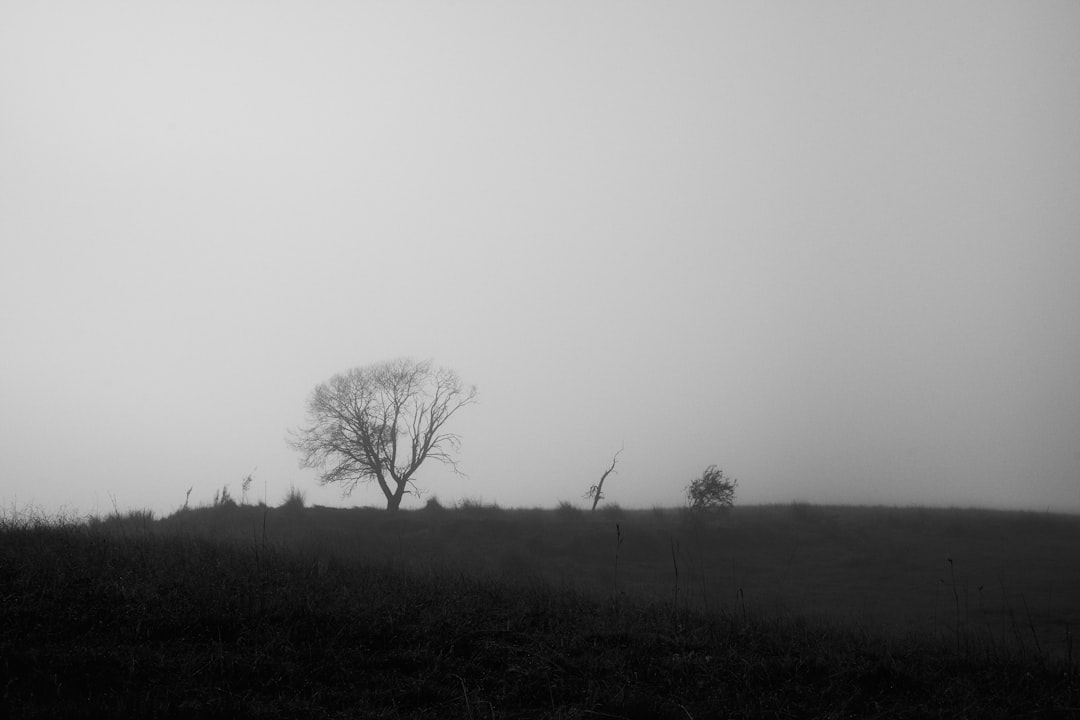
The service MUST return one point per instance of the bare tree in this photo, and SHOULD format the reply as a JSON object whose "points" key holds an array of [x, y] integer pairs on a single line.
{"points": [[381, 422], [596, 492]]}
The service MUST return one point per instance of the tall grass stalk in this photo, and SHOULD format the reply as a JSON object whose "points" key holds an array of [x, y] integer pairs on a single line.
{"points": [[1031, 624], [618, 547], [675, 589], [956, 602], [1069, 649]]}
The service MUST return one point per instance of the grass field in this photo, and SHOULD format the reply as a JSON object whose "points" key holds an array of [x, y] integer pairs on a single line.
{"points": [[481, 612]]}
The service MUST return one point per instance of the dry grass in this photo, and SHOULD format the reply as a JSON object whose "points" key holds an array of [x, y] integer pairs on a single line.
{"points": [[485, 612]]}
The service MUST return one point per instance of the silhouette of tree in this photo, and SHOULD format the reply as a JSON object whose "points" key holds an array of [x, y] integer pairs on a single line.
{"points": [[712, 490], [380, 423], [596, 492]]}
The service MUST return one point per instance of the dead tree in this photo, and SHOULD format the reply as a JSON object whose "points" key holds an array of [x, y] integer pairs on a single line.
{"points": [[596, 492]]}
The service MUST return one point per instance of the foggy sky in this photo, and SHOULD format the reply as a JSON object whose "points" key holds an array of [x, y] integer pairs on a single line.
{"points": [[832, 247]]}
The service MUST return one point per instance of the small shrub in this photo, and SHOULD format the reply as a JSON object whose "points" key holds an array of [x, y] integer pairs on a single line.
{"points": [[713, 490], [477, 507], [223, 499], [245, 485], [295, 499], [613, 511], [567, 509], [433, 504]]}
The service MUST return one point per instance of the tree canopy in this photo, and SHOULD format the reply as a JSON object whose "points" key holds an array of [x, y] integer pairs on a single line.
{"points": [[380, 423], [712, 490]]}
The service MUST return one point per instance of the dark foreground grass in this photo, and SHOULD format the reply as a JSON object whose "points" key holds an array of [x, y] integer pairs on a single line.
{"points": [[124, 620]]}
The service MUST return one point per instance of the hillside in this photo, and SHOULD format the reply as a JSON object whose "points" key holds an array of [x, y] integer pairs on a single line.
{"points": [[481, 612]]}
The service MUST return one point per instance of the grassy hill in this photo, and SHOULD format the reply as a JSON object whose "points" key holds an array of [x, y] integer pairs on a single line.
{"points": [[478, 612]]}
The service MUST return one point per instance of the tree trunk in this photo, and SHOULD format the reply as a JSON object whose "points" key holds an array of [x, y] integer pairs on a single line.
{"points": [[600, 485], [393, 502]]}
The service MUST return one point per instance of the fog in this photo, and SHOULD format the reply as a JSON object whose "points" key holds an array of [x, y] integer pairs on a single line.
{"points": [[833, 248]]}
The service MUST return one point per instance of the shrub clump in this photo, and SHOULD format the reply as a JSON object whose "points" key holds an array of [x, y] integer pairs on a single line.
{"points": [[713, 490], [295, 499], [567, 509], [613, 511], [223, 498]]}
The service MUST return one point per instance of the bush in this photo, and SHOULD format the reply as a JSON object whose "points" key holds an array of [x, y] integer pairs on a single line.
{"points": [[295, 499], [223, 498], [476, 507], [433, 504], [613, 511], [567, 509], [712, 490]]}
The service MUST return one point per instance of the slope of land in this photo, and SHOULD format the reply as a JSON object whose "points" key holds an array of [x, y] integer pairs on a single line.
{"points": [[481, 613]]}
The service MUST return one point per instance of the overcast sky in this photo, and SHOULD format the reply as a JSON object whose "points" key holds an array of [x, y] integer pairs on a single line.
{"points": [[831, 247]]}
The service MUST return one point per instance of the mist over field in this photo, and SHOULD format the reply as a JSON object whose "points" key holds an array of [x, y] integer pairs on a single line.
{"points": [[832, 249]]}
